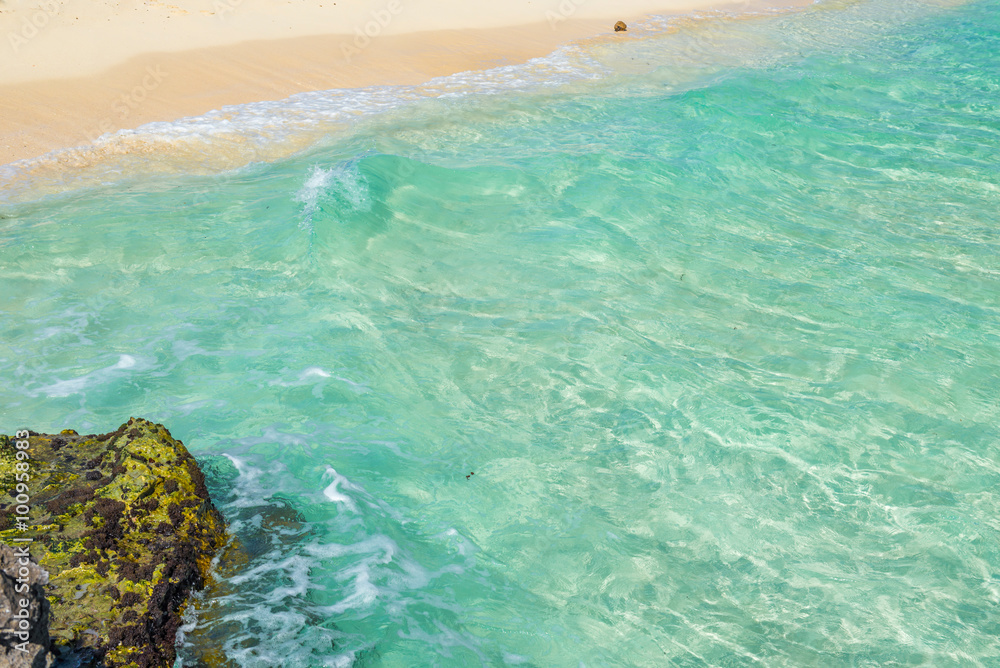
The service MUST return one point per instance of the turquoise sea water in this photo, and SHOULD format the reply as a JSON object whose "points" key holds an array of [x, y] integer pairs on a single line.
{"points": [[689, 360]]}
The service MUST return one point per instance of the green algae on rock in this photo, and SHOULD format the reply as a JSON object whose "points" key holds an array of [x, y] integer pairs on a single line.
{"points": [[124, 525]]}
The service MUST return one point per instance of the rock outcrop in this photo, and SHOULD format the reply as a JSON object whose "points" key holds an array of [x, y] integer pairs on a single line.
{"points": [[24, 610], [124, 526]]}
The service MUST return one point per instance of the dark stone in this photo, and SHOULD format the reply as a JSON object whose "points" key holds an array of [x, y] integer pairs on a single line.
{"points": [[137, 532], [35, 641]]}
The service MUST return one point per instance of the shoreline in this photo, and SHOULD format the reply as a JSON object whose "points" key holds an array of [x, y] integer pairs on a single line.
{"points": [[169, 85]]}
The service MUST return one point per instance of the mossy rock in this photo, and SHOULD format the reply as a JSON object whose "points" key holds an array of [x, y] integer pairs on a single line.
{"points": [[124, 525]]}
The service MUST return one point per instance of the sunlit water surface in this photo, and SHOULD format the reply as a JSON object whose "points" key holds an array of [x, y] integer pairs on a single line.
{"points": [[689, 360]]}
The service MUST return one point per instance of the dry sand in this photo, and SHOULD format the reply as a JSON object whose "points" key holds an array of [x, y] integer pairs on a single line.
{"points": [[72, 70]]}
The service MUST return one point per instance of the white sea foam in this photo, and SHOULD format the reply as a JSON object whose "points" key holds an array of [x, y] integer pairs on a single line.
{"points": [[71, 322], [65, 388], [238, 134], [333, 490], [315, 186], [380, 546], [342, 568], [184, 349], [342, 181], [663, 52], [248, 490], [295, 568], [125, 362]]}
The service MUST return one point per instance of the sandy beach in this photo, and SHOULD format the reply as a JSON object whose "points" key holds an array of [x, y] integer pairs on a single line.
{"points": [[77, 69]]}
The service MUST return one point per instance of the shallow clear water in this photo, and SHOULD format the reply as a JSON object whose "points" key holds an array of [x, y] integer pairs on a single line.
{"points": [[719, 340]]}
